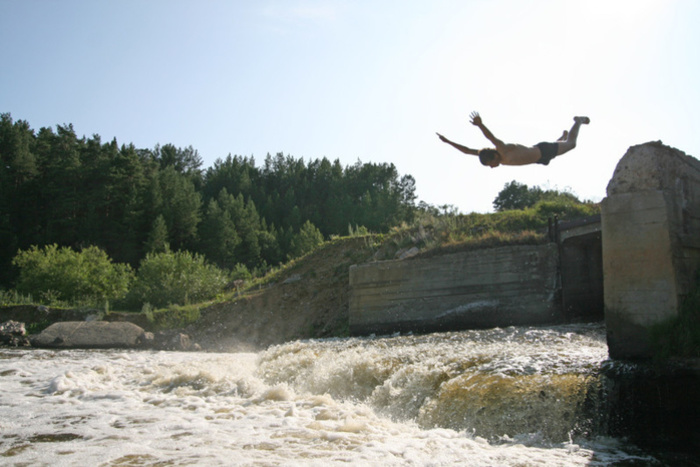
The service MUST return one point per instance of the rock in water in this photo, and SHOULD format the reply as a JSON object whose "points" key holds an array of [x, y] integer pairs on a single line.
{"points": [[89, 335], [12, 333]]}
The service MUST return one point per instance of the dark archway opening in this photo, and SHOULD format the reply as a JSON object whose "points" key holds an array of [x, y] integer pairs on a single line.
{"points": [[582, 278]]}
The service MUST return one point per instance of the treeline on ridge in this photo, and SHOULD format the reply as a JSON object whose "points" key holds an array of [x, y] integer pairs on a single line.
{"points": [[58, 188]]}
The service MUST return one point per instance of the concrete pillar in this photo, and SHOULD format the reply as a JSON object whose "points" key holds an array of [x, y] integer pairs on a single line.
{"points": [[650, 243], [639, 277]]}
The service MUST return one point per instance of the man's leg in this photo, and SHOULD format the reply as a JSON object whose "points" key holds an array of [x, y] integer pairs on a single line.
{"points": [[570, 142]]}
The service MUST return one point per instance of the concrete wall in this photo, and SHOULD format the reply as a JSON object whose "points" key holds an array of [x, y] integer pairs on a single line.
{"points": [[651, 243], [503, 286]]}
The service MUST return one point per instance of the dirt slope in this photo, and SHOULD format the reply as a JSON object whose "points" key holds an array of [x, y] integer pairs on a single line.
{"points": [[309, 299]]}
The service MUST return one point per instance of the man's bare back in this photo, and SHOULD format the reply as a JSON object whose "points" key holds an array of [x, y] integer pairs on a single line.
{"points": [[518, 154]]}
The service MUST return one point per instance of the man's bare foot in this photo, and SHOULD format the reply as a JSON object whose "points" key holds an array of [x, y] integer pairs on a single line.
{"points": [[564, 136], [584, 120]]}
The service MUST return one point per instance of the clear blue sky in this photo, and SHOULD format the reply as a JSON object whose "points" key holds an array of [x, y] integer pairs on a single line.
{"points": [[365, 79]]}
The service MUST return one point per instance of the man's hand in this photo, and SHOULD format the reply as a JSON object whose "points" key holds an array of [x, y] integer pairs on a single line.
{"points": [[475, 118], [464, 149], [442, 138]]}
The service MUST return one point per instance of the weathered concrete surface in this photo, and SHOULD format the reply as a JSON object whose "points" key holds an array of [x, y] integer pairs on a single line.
{"points": [[651, 243], [89, 335], [578, 228], [477, 289]]}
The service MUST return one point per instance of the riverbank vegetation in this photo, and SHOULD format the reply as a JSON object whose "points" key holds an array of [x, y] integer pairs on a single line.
{"points": [[76, 192], [91, 224], [435, 232]]}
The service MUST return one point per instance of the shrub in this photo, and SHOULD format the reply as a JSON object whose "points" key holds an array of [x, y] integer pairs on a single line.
{"points": [[516, 195], [12, 297], [357, 231], [565, 209], [175, 278], [241, 272], [308, 238], [67, 275], [516, 220], [516, 226], [175, 316]]}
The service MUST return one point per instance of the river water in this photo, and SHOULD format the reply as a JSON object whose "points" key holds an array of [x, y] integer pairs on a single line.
{"points": [[514, 397]]}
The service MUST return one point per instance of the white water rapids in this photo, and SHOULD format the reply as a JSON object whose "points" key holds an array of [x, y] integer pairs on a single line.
{"points": [[511, 397]]}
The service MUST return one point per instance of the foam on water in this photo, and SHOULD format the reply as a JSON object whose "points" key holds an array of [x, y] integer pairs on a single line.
{"points": [[457, 398]]}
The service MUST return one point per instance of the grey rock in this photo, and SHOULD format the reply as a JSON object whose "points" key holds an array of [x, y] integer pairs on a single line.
{"points": [[292, 279], [146, 340], [172, 340], [12, 333], [13, 327], [407, 253], [90, 335]]}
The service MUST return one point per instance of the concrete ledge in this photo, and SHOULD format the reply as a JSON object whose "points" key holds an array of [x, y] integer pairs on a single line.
{"points": [[494, 287]]}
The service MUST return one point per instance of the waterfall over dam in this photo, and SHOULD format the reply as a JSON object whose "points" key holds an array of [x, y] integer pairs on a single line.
{"points": [[507, 397]]}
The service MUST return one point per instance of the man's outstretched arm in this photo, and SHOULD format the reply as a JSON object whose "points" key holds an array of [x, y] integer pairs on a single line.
{"points": [[464, 149], [476, 121]]}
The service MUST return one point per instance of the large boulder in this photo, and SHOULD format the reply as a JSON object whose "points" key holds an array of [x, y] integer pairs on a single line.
{"points": [[89, 335]]}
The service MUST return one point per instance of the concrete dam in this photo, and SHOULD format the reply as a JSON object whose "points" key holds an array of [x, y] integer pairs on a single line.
{"points": [[631, 266]]}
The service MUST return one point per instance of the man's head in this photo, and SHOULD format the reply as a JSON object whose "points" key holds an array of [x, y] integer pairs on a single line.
{"points": [[490, 157]]}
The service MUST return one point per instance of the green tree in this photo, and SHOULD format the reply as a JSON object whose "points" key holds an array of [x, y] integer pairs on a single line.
{"points": [[407, 197], [180, 207], [175, 278], [18, 169], [58, 188], [88, 275], [185, 161], [248, 228], [236, 174], [157, 241], [120, 201], [270, 251], [16, 152], [217, 233], [516, 195], [306, 240]]}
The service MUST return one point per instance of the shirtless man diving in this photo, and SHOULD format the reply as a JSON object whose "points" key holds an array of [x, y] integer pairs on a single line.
{"points": [[517, 154]]}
